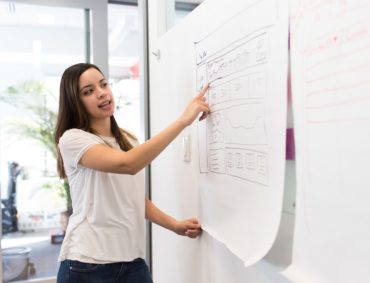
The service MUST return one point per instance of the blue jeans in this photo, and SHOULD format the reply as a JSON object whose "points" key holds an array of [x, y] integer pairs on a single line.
{"points": [[72, 271]]}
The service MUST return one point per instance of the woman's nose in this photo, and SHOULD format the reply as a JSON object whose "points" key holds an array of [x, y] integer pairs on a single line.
{"points": [[101, 92]]}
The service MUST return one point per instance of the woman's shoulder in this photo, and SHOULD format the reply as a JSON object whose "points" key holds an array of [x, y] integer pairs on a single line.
{"points": [[74, 133]]}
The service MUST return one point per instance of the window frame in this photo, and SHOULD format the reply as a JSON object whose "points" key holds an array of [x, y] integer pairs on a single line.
{"points": [[97, 46], [98, 25]]}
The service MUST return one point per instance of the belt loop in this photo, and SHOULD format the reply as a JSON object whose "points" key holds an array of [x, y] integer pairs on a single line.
{"points": [[121, 270]]}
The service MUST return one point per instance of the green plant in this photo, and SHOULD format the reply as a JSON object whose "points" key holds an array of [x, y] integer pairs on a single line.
{"points": [[63, 191], [36, 102]]}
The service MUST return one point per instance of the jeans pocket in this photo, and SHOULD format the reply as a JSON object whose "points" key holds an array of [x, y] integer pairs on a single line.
{"points": [[82, 267]]}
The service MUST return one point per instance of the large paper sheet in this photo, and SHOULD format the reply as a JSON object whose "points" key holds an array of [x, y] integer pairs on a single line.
{"points": [[242, 144], [331, 104]]}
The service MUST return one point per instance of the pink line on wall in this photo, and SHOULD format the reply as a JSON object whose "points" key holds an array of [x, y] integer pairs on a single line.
{"points": [[290, 147]]}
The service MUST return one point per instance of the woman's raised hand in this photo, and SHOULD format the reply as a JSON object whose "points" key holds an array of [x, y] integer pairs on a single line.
{"points": [[196, 105]]}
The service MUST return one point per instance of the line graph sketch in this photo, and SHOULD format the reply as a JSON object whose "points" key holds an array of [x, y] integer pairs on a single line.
{"points": [[238, 125]]}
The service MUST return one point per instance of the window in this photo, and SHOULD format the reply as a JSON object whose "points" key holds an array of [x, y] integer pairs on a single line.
{"points": [[38, 43], [123, 45]]}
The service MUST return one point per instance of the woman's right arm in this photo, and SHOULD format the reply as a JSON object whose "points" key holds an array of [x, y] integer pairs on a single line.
{"points": [[106, 159]]}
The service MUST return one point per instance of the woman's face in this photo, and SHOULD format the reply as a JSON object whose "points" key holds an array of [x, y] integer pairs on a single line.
{"points": [[96, 94]]}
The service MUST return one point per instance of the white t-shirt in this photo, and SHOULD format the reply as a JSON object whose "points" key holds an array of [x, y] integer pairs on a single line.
{"points": [[108, 220]]}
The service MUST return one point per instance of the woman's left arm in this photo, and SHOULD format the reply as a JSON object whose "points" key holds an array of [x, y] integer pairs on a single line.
{"points": [[189, 227]]}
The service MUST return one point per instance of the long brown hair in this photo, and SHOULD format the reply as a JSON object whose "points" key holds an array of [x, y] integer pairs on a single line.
{"points": [[72, 113]]}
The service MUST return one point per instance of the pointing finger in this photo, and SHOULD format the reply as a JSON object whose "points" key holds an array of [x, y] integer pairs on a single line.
{"points": [[203, 91]]}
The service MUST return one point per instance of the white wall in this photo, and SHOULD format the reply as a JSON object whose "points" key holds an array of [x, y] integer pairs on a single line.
{"points": [[175, 190], [177, 259]]}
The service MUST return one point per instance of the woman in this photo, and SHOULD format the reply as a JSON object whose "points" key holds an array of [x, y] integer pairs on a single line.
{"points": [[105, 238]]}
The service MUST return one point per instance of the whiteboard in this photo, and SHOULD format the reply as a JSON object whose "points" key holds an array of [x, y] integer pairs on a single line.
{"points": [[239, 152], [331, 104]]}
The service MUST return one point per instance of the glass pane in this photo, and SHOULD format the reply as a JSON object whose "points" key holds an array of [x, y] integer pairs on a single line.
{"points": [[123, 46], [38, 43], [183, 8]]}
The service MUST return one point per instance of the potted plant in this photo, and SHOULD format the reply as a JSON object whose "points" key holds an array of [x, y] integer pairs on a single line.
{"points": [[36, 101]]}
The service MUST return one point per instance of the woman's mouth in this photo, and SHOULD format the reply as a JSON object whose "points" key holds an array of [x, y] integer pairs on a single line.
{"points": [[105, 105]]}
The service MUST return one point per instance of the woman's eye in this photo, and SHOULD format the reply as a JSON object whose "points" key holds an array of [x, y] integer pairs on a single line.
{"points": [[104, 85], [88, 91]]}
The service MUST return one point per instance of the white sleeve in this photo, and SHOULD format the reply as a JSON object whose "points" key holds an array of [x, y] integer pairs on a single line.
{"points": [[73, 144]]}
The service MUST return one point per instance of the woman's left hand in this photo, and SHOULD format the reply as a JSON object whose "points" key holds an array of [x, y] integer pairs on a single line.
{"points": [[189, 227]]}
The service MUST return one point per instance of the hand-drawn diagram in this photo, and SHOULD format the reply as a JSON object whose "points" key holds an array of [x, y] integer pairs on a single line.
{"points": [[237, 125], [336, 65]]}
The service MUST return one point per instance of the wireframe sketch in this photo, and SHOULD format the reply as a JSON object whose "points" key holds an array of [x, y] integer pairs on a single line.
{"points": [[237, 125]]}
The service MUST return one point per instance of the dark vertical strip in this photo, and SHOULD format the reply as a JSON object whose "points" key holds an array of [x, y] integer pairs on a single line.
{"points": [[145, 86], [87, 35]]}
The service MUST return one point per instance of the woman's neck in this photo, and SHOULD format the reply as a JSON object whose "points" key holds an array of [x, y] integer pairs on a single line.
{"points": [[102, 127]]}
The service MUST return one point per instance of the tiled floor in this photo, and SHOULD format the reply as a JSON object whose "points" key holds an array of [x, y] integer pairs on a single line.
{"points": [[43, 254]]}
